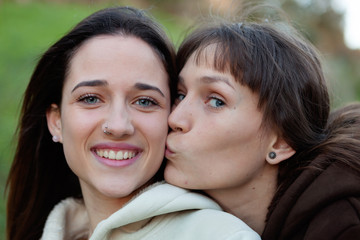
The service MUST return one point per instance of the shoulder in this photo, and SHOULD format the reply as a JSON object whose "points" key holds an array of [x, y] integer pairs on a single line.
{"points": [[163, 211], [211, 217], [204, 224], [325, 204], [165, 198], [340, 220], [67, 208], [57, 225]]}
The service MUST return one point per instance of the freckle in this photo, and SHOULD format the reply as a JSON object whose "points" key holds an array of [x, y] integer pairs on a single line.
{"points": [[253, 188], [234, 108]]}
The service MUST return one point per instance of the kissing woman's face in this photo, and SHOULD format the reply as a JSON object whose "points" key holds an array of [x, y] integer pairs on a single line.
{"points": [[216, 141]]}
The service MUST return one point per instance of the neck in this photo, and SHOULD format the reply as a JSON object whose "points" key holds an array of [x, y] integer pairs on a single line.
{"points": [[249, 202], [100, 207]]}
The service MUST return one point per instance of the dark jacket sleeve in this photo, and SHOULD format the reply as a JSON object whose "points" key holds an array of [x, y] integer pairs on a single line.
{"points": [[338, 221]]}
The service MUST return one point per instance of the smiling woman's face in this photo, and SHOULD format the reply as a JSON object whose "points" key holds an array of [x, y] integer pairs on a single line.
{"points": [[216, 141], [118, 82]]}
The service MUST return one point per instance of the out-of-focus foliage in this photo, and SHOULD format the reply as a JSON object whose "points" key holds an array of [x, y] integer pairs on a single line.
{"points": [[324, 27]]}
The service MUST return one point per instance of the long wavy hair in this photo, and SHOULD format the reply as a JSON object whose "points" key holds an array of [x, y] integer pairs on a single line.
{"points": [[39, 176]]}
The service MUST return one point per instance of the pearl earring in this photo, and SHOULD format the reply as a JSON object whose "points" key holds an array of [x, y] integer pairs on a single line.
{"points": [[55, 138]]}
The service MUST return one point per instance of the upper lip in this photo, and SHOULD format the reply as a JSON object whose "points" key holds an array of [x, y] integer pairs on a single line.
{"points": [[168, 148], [116, 146]]}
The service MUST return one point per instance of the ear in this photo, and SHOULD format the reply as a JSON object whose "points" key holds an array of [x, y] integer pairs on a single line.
{"points": [[53, 118], [282, 150]]}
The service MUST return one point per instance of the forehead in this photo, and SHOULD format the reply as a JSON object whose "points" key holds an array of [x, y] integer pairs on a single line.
{"points": [[112, 45], [212, 56], [203, 63], [117, 59], [200, 68], [115, 53]]}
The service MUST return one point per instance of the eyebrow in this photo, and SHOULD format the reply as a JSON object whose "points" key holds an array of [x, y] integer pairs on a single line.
{"points": [[181, 80], [144, 86], [209, 79], [91, 83], [96, 83], [215, 79]]}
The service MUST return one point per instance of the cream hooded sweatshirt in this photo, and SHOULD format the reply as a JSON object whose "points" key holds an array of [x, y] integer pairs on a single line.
{"points": [[161, 211]]}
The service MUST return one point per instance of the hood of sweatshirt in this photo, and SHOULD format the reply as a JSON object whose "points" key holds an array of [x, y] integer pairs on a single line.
{"points": [[157, 199], [313, 201]]}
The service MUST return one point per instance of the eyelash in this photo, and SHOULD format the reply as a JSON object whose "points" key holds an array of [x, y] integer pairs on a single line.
{"points": [[181, 96], [150, 100], [210, 98], [84, 98]]}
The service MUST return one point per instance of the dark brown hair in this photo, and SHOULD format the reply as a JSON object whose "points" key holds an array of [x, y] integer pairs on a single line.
{"points": [[284, 69], [39, 177]]}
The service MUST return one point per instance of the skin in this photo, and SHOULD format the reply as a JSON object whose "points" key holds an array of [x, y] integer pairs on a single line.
{"points": [[217, 143], [116, 82]]}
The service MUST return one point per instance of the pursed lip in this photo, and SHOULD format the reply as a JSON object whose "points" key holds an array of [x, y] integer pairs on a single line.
{"points": [[168, 151]]}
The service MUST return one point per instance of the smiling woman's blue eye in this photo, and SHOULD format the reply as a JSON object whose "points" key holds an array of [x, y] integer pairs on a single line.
{"points": [[89, 99], [146, 102], [216, 103]]}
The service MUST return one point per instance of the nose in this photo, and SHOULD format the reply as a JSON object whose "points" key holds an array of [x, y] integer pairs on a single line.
{"points": [[118, 122], [180, 119]]}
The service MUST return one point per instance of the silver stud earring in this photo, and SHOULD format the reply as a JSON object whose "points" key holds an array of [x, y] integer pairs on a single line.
{"points": [[272, 155], [105, 130], [55, 138]]}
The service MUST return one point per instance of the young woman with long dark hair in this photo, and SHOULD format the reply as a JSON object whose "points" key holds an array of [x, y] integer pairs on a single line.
{"points": [[92, 139]]}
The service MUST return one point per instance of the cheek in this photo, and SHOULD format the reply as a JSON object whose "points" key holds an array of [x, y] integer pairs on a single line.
{"points": [[76, 131], [74, 126], [224, 143], [155, 128]]}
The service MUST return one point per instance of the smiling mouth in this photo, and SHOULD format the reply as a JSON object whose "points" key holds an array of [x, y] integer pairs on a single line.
{"points": [[115, 155]]}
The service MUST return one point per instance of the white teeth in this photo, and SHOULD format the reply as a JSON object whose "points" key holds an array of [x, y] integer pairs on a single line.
{"points": [[112, 155], [100, 153], [115, 155], [119, 155]]}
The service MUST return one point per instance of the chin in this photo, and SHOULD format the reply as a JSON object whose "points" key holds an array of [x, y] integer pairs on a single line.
{"points": [[168, 174], [119, 191], [175, 179], [115, 194]]}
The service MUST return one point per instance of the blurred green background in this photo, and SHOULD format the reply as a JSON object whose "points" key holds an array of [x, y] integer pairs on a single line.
{"points": [[28, 28]]}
